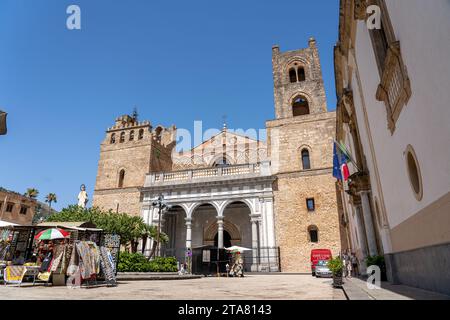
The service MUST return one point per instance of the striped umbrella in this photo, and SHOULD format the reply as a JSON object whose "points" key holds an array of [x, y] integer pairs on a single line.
{"points": [[51, 234]]}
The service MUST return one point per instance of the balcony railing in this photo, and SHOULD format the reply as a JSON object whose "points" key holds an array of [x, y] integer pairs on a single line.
{"points": [[208, 174]]}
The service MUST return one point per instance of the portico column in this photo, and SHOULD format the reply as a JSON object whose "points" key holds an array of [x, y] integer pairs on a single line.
{"points": [[220, 232], [255, 221], [361, 233], [188, 233], [368, 223]]}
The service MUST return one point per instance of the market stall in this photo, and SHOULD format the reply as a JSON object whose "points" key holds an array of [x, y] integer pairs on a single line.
{"points": [[209, 260], [74, 254]]}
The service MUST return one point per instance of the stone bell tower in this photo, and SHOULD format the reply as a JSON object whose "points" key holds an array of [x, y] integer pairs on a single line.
{"points": [[300, 142], [130, 151], [298, 83]]}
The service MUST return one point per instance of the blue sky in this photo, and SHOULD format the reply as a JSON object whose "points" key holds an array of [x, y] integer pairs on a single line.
{"points": [[176, 61]]}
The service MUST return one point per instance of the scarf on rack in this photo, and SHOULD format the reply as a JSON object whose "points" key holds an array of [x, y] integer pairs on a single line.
{"points": [[15, 274]]}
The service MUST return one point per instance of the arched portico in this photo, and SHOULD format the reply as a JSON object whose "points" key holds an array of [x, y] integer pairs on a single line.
{"points": [[218, 211]]}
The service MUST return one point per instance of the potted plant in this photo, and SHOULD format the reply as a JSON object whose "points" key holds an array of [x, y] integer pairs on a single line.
{"points": [[336, 266]]}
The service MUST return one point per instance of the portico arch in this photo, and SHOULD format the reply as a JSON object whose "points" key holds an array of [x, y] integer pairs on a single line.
{"points": [[196, 206], [227, 203], [175, 228], [211, 232]]}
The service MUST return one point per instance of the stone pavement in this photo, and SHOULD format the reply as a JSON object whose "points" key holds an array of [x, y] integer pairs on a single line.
{"points": [[134, 276], [252, 287], [356, 289]]}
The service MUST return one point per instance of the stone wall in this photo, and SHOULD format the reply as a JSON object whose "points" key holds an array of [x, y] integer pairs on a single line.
{"points": [[127, 198], [294, 185], [292, 218]]}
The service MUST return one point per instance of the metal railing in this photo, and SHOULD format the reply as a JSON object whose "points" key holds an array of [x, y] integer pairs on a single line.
{"points": [[267, 259]]}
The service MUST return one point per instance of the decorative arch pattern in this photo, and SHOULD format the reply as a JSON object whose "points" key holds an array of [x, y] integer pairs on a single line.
{"points": [[233, 230], [247, 202], [197, 205]]}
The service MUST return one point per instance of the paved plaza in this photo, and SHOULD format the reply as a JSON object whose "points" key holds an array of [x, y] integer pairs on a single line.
{"points": [[260, 287]]}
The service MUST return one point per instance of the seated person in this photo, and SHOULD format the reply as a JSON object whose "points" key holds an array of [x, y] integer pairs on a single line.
{"points": [[18, 259]]}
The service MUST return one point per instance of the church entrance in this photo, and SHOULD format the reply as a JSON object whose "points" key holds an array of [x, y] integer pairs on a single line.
{"points": [[226, 239]]}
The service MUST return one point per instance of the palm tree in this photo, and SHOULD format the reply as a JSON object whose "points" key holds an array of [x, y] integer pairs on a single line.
{"points": [[50, 198], [32, 193]]}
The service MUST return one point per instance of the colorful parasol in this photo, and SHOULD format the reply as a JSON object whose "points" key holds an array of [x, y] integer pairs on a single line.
{"points": [[52, 234], [237, 249]]}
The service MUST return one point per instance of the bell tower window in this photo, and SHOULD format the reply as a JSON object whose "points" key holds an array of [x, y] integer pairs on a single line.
{"points": [[300, 106], [292, 75], [301, 74]]}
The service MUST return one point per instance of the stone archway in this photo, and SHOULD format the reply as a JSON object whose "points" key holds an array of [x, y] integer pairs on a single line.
{"points": [[226, 239], [211, 232], [175, 227]]}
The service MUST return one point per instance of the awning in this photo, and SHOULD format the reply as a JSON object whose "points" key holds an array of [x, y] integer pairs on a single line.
{"points": [[4, 224], [84, 229], [67, 225]]}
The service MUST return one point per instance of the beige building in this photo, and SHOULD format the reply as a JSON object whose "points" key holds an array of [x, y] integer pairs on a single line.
{"points": [[393, 116], [276, 197], [16, 208]]}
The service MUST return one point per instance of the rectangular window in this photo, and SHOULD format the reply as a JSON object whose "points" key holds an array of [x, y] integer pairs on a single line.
{"points": [[310, 204], [9, 207], [395, 87], [23, 210]]}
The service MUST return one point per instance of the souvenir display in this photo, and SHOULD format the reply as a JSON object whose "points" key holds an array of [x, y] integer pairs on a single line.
{"points": [[56, 255]]}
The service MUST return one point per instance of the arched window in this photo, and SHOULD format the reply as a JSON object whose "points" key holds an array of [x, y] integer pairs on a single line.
{"points": [[301, 74], [313, 233], [306, 160], [158, 133], [122, 137], [121, 178], [131, 135], [141, 134], [113, 138], [292, 75], [300, 106], [222, 162]]}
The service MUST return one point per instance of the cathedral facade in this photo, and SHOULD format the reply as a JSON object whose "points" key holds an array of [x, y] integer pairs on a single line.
{"points": [[275, 197]]}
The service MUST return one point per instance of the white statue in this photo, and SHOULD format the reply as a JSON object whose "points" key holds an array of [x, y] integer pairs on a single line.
{"points": [[83, 197]]}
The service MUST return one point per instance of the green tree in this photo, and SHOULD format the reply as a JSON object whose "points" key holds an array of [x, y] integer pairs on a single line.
{"points": [[50, 198], [32, 193], [131, 229]]}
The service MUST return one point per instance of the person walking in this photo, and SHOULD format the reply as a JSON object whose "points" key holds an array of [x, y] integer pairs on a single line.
{"points": [[344, 262], [354, 262], [348, 267]]}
